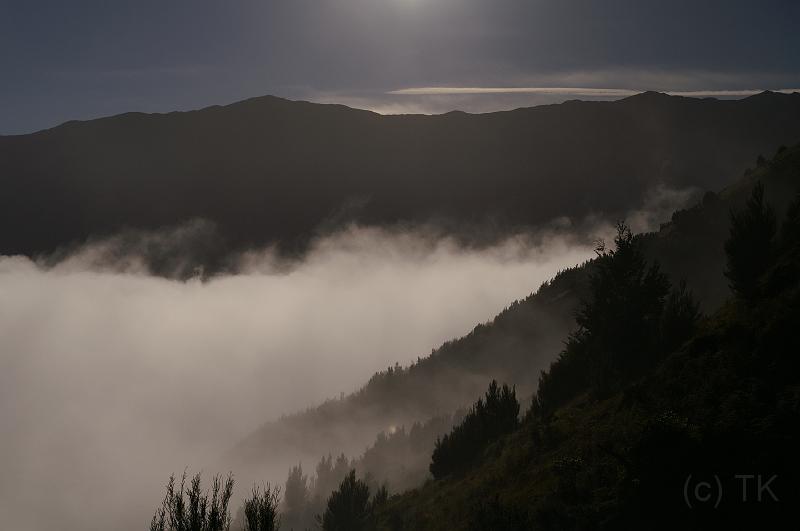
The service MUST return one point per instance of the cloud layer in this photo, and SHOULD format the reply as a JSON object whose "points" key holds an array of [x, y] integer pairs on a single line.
{"points": [[110, 379]]}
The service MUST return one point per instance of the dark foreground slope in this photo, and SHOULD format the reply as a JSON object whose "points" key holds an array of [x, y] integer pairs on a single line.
{"points": [[706, 438], [271, 170], [517, 344]]}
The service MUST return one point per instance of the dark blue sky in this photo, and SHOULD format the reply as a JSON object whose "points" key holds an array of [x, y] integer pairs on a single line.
{"points": [[64, 60]]}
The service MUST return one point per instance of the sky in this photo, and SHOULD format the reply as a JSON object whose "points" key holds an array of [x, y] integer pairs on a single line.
{"points": [[88, 58]]}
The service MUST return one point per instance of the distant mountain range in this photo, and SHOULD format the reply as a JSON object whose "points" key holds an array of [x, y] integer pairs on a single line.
{"points": [[268, 170]]}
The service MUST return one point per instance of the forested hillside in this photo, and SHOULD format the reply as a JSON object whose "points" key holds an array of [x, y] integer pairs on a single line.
{"points": [[515, 347], [521, 341], [649, 398]]}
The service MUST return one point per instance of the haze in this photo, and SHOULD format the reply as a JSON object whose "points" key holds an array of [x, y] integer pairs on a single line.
{"points": [[111, 377]]}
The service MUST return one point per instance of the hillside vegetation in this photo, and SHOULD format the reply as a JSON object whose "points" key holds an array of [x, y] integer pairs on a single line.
{"points": [[629, 420], [520, 342]]}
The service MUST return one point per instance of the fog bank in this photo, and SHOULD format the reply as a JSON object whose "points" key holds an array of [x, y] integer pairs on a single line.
{"points": [[111, 378]]}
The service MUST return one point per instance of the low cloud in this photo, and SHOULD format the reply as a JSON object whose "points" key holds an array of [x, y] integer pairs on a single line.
{"points": [[111, 378], [658, 205]]}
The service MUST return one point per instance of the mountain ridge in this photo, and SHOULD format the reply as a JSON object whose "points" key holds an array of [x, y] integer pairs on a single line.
{"points": [[645, 94], [271, 171]]}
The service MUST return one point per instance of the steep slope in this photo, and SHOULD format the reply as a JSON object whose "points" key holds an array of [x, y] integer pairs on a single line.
{"points": [[270, 170], [722, 409], [688, 246], [518, 343]]}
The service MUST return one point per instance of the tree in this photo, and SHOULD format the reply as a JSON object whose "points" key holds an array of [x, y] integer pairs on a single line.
{"points": [[261, 509], [750, 247], [348, 507], [619, 322], [330, 473], [626, 324], [492, 416], [189, 508], [296, 498], [296, 494], [567, 377]]}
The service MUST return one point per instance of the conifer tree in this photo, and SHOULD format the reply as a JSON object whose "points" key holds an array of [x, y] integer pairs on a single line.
{"points": [[348, 507]]}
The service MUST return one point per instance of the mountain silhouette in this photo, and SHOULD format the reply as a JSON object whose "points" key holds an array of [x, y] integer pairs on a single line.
{"points": [[269, 170]]}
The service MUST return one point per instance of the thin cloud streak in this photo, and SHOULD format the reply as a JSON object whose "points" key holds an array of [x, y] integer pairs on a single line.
{"points": [[436, 91], [573, 91]]}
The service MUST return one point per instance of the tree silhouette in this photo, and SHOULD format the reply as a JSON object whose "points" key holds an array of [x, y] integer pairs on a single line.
{"points": [[296, 498], [568, 376], [261, 509], [490, 417], [189, 508], [296, 493], [750, 247], [348, 507], [619, 322], [628, 322]]}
